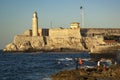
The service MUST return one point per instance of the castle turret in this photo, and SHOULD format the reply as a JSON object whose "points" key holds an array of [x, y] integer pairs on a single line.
{"points": [[35, 24]]}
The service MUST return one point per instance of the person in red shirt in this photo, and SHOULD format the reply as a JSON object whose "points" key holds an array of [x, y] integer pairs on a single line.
{"points": [[80, 62]]}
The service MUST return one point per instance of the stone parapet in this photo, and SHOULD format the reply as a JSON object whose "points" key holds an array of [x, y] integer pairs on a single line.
{"points": [[65, 33]]}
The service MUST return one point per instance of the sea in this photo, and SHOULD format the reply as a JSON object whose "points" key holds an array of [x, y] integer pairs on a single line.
{"points": [[40, 65]]}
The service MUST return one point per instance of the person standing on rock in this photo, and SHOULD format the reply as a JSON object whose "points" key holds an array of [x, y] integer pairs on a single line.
{"points": [[80, 62], [77, 63], [98, 65]]}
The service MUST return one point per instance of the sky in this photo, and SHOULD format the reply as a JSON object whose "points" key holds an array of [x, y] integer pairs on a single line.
{"points": [[16, 15]]}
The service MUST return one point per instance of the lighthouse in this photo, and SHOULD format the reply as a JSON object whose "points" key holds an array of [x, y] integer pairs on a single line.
{"points": [[35, 24]]}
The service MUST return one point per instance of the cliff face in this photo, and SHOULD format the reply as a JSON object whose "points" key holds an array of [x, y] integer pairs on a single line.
{"points": [[37, 43], [23, 43]]}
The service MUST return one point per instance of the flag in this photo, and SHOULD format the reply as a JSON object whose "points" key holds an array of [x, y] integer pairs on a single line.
{"points": [[81, 7]]}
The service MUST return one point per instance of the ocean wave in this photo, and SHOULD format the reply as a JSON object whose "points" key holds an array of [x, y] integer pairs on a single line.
{"points": [[46, 79], [65, 59], [86, 59]]}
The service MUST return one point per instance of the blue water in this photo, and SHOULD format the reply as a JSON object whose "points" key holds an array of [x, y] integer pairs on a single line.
{"points": [[38, 66]]}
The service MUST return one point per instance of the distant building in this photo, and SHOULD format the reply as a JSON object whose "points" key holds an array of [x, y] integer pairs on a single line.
{"points": [[75, 25]]}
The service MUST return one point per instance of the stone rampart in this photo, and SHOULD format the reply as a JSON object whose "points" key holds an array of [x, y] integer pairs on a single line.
{"points": [[92, 41], [65, 32], [103, 31], [65, 43]]}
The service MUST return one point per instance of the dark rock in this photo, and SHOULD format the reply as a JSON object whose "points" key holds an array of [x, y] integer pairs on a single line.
{"points": [[89, 74]]}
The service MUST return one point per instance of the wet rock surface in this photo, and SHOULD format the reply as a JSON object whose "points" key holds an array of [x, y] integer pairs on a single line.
{"points": [[110, 73]]}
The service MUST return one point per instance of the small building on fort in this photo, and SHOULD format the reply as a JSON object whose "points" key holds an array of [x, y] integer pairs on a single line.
{"points": [[75, 25]]}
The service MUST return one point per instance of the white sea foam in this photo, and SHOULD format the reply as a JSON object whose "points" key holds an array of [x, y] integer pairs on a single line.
{"points": [[108, 61], [46, 79], [87, 66], [68, 59], [65, 59], [86, 59], [62, 59]]}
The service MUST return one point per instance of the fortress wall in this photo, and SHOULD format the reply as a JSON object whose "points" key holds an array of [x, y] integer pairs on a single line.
{"points": [[36, 42], [58, 32], [65, 33], [103, 49], [93, 41], [74, 33], [50, 39], [24, 42], [28, 32], [66, 42], [109, 31]]}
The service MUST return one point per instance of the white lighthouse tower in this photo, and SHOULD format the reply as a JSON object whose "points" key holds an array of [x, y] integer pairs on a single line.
{"points": [[35, 24]]}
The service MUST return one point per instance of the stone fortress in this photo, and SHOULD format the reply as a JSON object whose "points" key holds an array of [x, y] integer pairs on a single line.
{"points": [[59, 39]]}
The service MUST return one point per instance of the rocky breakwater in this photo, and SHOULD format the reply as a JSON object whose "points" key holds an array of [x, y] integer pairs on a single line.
{"points": [[44, 43], [111, 73]]}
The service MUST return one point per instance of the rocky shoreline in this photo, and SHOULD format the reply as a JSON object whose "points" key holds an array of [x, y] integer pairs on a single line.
{"points": [[111, 73], [43, 50]]}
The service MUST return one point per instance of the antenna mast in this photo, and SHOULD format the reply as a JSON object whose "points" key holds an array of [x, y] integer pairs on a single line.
{"points": [[82, 13]]}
